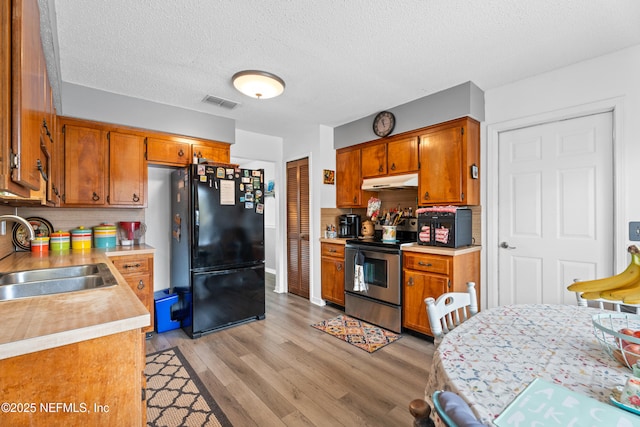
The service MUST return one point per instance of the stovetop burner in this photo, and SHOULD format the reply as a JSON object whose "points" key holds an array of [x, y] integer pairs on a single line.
{"points": [[406, 233]]}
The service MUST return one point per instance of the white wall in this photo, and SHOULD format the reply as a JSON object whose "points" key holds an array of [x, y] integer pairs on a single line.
{"points": [[612, 80]]}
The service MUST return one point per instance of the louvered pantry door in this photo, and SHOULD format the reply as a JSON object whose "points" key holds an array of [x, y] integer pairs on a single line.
{"points": [[298, 227]]}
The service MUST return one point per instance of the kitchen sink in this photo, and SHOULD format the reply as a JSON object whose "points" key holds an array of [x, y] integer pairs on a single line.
{"points": [[48, 281]]}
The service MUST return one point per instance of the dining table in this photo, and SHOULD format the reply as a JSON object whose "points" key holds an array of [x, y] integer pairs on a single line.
{"points": [[492, 357]]}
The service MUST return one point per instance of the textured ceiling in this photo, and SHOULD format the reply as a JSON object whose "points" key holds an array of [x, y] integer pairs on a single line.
{"points": [[341, 60]]}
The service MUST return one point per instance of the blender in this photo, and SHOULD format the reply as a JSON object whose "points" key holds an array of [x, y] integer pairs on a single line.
{"points": [[131, 232]]}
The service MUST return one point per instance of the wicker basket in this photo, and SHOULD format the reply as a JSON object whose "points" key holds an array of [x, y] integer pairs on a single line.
{"points": [[606, 327]]}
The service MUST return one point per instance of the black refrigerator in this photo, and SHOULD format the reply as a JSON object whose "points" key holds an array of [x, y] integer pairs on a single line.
{"points": [[217, 246]]}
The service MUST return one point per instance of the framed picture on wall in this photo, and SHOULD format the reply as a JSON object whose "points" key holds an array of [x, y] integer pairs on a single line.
{"points": [[329, 177]]}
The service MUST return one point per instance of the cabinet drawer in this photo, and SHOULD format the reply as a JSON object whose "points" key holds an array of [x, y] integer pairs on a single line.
{"points": [[332, 250], [425, 262], [127, 265]]}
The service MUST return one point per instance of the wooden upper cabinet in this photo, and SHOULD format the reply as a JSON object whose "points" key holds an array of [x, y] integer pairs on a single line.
{"points": [[450, 159], [392, 157], [349, 192], [168, 152], [374, 160], [214, 151], [27, 92], [402, 156], [127, 170], [85, 166]]}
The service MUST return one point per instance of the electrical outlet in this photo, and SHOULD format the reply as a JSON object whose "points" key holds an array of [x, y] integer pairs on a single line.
{"points": [[634, 231]]}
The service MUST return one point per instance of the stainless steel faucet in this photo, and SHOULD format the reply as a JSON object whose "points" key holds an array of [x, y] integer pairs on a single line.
{"points": [[16, 218]]}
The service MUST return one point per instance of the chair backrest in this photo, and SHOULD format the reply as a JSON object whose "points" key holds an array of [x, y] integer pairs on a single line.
{"points": [[453, 410], [451, 309]]}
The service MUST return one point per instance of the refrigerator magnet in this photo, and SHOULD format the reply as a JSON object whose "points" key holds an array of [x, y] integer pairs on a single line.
{"points": [[220, 173], [248, 205], [260, 208], [203, 178], [246, 172], [248, 197], [201, 170], [246, 180], [248, 187], [255, 173]]}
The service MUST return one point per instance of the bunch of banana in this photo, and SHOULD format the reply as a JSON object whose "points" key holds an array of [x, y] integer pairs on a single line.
{"points": [[623, 287]]}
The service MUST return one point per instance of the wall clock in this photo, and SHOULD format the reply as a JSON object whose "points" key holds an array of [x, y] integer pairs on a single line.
{"points": [[384, 123]]}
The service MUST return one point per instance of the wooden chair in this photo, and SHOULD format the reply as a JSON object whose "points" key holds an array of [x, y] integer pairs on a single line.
{"points": [[453, 411], [450, 310]]}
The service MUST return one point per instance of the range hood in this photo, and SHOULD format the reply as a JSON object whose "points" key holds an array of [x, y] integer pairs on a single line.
{"points": [[391, 182]]}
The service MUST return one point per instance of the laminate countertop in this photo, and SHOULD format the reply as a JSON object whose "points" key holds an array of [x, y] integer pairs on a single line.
{"points": [[44, 322]]}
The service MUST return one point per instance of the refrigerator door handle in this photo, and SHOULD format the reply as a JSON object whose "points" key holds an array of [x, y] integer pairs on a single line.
{"points": [[196, 224]]}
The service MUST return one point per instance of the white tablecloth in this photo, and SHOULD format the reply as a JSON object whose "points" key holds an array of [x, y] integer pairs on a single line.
{"points": [[493, 356]]}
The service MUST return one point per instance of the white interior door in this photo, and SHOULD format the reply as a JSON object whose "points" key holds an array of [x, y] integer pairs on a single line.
{"points": [[555, 203]]}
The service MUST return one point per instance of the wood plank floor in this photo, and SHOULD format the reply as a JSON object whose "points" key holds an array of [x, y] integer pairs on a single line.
{"points": [[282, 372]]}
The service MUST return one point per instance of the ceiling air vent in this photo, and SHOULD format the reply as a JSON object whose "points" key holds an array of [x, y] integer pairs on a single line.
{"points": [[220, 102]]}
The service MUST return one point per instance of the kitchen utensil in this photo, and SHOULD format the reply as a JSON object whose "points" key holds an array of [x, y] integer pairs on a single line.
{"points": [[131, 232]]}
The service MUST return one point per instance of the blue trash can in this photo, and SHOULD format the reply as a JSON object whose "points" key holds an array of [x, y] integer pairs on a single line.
{"points": [[163, 302]]}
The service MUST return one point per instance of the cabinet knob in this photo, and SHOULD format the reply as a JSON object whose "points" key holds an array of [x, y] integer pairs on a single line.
{"points": [[140, 284], [180, 153], [95, 197], [136, 265], [380, 169], [339, 266], [410, 282], [393, 166], [426, 195], [332, 250], [355, 199], [424, 264], [136, 198]]}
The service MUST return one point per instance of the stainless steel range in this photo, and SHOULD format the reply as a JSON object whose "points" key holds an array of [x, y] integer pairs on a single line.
{"points": [[378, 298]]}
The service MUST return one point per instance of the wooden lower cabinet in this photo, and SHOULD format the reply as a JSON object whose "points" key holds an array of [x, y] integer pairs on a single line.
{"points": [[137, 270], [332, 271], [428, 275], [93, 382]]}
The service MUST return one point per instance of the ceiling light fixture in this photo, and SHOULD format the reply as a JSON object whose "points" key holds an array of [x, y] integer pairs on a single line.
{"points": [[258, 84]]}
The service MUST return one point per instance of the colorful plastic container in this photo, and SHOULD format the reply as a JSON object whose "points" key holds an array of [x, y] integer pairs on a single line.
{"points": [[40, 245], [81, 238], [60, 241], [104, 236]]}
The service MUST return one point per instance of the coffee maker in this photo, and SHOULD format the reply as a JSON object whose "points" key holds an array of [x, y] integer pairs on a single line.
{"points": [[349, 226]]}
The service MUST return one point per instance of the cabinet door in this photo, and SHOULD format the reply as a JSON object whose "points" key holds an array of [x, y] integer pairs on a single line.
{"points": [[349, 192], [417, 287], [374, 160], [217, 152], [85, 166], [332, 272], [127, 170], [28, 95], [441, 177], [168, 153], [137, 270], [402, 156]]}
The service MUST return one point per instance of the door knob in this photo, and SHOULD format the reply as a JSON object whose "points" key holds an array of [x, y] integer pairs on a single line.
{"points": [[505, 245]]}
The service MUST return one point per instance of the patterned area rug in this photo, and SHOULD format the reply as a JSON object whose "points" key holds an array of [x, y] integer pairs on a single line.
{"points": [[175, 394], [356, 332]]}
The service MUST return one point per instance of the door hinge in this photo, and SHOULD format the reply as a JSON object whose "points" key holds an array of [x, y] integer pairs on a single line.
{"points": [[462, 196], [144, 394], [15, 160], [461, 131]]}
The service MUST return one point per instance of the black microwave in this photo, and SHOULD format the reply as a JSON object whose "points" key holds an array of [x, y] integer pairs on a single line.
{"points": [[448, 227]]}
